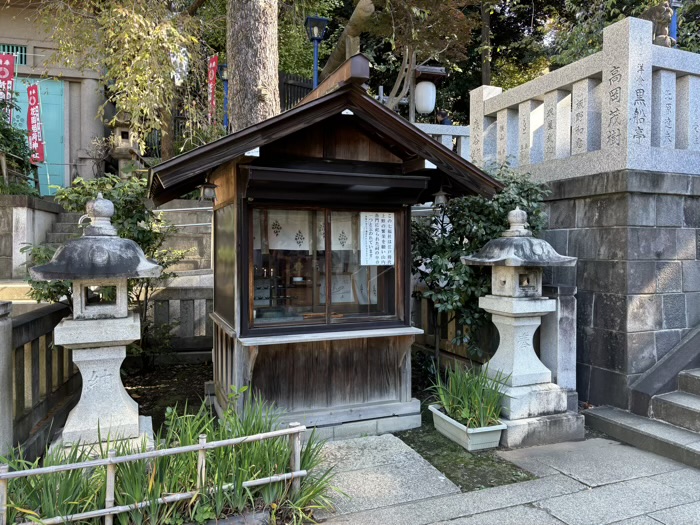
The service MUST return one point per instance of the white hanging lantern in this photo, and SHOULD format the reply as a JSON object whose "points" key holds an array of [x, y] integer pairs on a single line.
{"points": [[425, 97]]}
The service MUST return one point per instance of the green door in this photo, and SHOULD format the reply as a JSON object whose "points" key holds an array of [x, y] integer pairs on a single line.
{"points": [[52, 172]]}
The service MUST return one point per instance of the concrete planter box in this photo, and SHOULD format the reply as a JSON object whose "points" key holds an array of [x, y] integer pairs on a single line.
{"points": [[470, 438]]}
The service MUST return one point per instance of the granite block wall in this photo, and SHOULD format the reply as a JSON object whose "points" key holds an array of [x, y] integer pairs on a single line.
{"points": [[638, 275]]}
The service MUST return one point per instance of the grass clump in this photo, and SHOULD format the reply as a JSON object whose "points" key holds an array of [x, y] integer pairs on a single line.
{"points": [[470, 396], [227, 468]]}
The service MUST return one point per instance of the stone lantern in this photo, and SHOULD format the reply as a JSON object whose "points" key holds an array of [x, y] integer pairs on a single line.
{"points": [[99, 263], [534, 409]]}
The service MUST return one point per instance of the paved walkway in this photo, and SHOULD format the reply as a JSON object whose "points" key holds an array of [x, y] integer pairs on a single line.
{"points": [[593, 482]]}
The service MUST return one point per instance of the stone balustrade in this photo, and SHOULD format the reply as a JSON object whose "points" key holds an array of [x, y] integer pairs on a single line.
{"points": [[453, 137], [38, 382], [633, 105], [188, 310]]}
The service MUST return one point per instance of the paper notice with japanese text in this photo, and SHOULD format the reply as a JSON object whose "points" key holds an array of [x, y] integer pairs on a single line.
{"points": [[377, 238]]}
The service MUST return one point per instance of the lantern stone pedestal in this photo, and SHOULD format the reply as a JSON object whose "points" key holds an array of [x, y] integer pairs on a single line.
{"points": [[99, 264], [105, 410], [534, 409]]}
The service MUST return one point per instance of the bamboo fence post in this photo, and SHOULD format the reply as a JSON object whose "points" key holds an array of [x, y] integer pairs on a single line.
{"points": [[201, 463], [3, 495], [295, 462], [109, 489]]}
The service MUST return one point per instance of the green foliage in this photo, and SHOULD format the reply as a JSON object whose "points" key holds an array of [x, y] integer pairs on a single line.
{"points": [[137, 49], [226, 470], [412, 33], [47, 291], [14, 144], [296, 52], [469, 396], [133, 220], [462, 227], [689, 26], [508, 74]]}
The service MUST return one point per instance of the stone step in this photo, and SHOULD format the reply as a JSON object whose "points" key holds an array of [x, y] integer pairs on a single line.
{"points": [[14, 290], [66, 227], [678, 408], [189, 264], [689, 381], [69, 217], [647, 434], [60, 238]]}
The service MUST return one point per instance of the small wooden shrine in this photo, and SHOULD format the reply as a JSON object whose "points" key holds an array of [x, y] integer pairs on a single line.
{"points": [[311, 252]]}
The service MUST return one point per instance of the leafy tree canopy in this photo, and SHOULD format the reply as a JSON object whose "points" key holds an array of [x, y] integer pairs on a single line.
{"points": [[462, 227], [140, 48]]}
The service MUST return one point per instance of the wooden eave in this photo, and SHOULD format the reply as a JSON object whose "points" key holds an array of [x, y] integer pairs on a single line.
{"points": [[185, 172]]}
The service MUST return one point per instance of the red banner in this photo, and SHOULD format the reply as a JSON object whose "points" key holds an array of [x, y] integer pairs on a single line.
{"points": [[7, 80], [213, 67], [36, 133]]}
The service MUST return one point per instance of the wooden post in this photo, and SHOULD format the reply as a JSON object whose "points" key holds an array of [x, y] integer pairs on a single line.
{"points": [[201, 463], [109, 489], [6, 383], [295, 463], [3, 495]]}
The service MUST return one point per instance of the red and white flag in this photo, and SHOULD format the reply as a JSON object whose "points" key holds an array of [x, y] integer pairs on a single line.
{"points": [[7, 81], [36, 133], [213, 67]]}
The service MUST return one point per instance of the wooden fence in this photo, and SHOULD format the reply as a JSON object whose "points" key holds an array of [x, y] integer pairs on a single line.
{"points": [[423, 317], [187, 309], [44, 380], [112, 461]]}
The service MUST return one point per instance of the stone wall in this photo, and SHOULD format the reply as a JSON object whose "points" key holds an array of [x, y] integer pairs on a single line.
{"points": [[23, 220], [638, 275]]}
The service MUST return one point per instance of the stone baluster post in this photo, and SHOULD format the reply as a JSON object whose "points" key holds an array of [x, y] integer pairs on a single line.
{"points": [[557, 123], [663, 88], [480, 147], [626, 93], [507, 149], [526, 130], [558, 340], [585, 116], [688, 113], [6, 349]]}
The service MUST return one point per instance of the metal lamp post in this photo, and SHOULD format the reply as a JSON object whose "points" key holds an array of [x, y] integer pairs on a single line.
{"points": [[316, 31], [673, 30], [223, 73]]}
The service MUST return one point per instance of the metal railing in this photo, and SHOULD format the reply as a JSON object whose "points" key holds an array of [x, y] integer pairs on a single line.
{"points": [[112, 461]]}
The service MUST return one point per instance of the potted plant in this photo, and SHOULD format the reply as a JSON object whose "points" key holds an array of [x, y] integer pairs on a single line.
{"points": [[468, 408]]}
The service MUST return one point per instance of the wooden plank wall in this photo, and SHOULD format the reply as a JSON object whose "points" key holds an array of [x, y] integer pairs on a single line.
{"points": [[325, 374]]}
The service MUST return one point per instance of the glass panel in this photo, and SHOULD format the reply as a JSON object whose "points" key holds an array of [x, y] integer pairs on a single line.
{"points": [[225, 263], [363, 277], [288, 261]]}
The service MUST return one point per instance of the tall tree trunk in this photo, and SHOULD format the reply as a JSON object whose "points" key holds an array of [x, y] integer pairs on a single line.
{"points": [[485, 42], [253, 61]]}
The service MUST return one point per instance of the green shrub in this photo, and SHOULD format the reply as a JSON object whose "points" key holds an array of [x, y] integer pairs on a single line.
{"points": [[133, 220], [14, 144], [469, 396], [226, 470], [462, 227]]}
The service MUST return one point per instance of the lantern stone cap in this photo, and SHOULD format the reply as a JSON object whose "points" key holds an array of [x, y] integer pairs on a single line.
{"points": [[518, 248], [99, 253]]}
